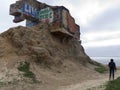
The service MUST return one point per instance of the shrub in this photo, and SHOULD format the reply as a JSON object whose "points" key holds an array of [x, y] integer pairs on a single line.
{"points": [[25, 67]]}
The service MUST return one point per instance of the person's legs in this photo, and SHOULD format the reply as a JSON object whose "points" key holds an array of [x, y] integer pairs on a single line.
{"points": [[113, 74], [110, 73]]}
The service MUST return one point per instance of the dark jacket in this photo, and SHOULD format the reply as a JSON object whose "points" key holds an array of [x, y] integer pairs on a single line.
{"points": [[112, 65]]}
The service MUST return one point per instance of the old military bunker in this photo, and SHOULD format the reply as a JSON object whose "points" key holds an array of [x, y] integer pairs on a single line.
{"points": [[35, 12]]}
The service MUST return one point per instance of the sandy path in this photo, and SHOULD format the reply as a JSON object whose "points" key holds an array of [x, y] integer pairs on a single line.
{"points": [[90, 83]]}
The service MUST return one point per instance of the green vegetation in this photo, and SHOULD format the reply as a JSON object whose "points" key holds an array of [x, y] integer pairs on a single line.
{"points": [[101, 68], [41, 27], [113, 85], [101, 87], [25, 67]]}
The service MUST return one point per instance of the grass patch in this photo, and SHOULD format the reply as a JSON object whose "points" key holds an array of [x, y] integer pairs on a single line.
{"points": [[113, 85], [101, 68], [25, 67], [101, 87]]}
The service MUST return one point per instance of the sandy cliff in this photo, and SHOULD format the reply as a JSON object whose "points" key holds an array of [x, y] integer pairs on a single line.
{"points": [[35, 58]]}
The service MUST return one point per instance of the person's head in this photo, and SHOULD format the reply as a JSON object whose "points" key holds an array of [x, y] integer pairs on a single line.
{"points": [[111, 60]]}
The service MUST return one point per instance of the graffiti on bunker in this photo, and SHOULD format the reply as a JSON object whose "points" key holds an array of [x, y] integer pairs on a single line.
{"points": [[29, 10], [30, 23], [35, 12], [46, 15]]}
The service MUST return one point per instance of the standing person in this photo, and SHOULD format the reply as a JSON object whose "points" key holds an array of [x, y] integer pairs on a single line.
{"points": [[112, 68]]}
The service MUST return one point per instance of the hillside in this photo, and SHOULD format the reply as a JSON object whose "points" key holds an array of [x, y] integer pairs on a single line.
{"points": [[35, 58]]}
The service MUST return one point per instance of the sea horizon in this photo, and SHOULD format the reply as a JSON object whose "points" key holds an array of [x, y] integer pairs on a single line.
{"points": [[106, 59]]}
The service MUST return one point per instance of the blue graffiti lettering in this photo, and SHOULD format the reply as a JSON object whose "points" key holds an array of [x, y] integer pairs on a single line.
{"points": [[29, 10]]}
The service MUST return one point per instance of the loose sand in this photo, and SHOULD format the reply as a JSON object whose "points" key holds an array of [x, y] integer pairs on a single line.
{"points": [[96, 84]]}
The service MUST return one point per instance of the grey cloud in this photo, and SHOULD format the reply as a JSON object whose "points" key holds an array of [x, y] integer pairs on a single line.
{"points": [[50, 2], [103, 51], [108, 20]]}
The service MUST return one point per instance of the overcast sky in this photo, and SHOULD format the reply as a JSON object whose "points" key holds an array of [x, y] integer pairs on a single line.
{"points": [[99, 21]]}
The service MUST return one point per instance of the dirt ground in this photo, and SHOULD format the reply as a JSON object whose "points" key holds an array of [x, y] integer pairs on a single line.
{"points": [[92, 84], [81, 79]]}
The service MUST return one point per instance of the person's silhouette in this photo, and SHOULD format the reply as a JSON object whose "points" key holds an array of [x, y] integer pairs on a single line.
{"points": [[112, 68]]}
